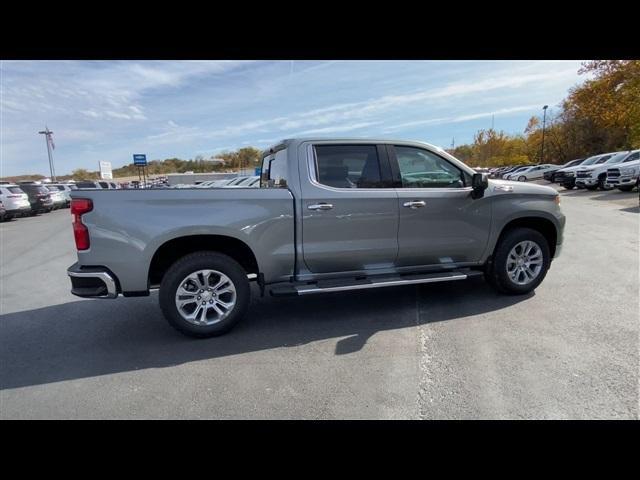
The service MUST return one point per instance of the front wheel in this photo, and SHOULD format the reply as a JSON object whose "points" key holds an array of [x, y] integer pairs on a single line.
{"points": [[522, 178], [204, 294], [603, 185], [520, 262]]}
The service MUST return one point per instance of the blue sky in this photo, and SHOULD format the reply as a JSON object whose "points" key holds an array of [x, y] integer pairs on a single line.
{"points": [[108, 110]]}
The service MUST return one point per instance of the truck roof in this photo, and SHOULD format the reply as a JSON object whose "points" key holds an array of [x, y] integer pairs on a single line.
{"points": [[297, 140]]}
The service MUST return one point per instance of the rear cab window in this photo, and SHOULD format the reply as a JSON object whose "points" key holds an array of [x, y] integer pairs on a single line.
{"points": [[274, 170]]}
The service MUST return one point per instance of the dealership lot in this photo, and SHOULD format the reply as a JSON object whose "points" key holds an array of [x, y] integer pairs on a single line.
{"points": [[451, 350]]}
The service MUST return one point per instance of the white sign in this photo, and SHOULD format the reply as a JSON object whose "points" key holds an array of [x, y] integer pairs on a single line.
{"points": [[105, 171]]}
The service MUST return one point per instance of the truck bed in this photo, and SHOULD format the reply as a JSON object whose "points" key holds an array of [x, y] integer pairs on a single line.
{"points": [[127, 227]]}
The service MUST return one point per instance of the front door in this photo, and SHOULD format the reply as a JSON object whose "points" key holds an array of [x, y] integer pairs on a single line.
{"points": [[440, 224], [349, 209]]}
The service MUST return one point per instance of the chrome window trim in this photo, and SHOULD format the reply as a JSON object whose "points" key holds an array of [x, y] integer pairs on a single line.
{"points": [[312, 172]]}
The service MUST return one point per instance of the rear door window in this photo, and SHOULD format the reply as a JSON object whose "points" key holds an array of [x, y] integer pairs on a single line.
{"points": [[349, 166]]}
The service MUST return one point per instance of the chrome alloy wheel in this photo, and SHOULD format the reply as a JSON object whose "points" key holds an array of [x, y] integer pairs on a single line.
{"points": [[524, 262], [205, 297]]}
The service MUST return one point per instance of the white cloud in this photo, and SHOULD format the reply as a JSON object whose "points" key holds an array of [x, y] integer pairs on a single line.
{"points": [[111, 109]]}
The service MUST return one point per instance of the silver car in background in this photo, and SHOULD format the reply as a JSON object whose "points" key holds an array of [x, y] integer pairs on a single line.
{"points": [[15, 201], [65, 190], [58, 198], [248, 182]]}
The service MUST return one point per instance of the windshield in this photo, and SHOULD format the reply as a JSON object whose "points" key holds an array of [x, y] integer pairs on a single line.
{"points": [[591, 160], [603, 159], [617, 158]]}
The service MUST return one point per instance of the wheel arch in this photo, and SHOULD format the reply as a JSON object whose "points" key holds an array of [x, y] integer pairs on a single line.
{"points": [[543, 225], [176, 248]]}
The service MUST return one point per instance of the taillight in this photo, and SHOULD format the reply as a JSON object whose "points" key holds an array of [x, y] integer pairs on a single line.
{"points": [[80, 206]]}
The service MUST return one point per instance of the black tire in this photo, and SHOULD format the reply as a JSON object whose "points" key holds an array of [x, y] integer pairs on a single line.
{"points": [[201, 261], [591, 187], [626, 188], [569, 187], [602, 184], [496, 271], [522, 178]]}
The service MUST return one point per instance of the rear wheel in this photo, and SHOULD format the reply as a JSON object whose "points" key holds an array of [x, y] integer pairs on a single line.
{"points": [[522, 178], [520, 262], [204, 294]]}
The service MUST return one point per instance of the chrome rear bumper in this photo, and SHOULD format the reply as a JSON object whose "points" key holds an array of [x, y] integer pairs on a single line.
{"points": [[92, 282]]}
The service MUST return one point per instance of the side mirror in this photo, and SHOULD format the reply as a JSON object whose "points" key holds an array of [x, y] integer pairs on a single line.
{"points": [[479, 182]]}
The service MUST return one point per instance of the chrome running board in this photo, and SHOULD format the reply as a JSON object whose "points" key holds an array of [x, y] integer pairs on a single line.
{"points": [[340, 285]]}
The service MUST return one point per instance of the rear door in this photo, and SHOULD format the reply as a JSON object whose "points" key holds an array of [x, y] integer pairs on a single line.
{"points": [[349, 208], [439, 224]]}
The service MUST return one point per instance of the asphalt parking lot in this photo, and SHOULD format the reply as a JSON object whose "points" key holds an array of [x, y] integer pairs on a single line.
{"points": [[437, 351]]}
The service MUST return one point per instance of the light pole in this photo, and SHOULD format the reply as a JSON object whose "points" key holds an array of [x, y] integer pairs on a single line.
{"points": [[47, 136], [544, 122]]}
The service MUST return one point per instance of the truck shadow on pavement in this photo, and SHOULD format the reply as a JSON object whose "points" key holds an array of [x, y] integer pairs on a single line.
{"points": [[89, 338]]}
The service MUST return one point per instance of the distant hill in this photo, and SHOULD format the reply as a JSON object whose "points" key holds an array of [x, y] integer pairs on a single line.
{"points": [[246, 157]]}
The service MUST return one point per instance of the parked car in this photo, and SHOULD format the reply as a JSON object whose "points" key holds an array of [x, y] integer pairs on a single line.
{"points": [[65, 190], [532, 173], [551, 175], [84, 184], [39, 197], [515, 169], [236, 181], [57, 197], [253, 181], [224, 182], [567, 176], [595, 176], [15, 201], [624, 177], [330, 215]]}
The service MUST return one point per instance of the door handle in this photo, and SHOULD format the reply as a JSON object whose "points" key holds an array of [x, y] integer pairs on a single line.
{"points": [[320, 206], [414, 204]]}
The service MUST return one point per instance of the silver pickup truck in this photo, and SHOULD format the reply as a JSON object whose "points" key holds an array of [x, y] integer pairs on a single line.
{"points": [[330, 215]]}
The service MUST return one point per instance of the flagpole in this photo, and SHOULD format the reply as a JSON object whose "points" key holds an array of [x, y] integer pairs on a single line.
{"points": [[47, 136]]}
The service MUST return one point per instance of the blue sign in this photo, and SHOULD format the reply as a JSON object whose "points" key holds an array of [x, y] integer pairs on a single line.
{"points": [[258, 171], [140, 159]]}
